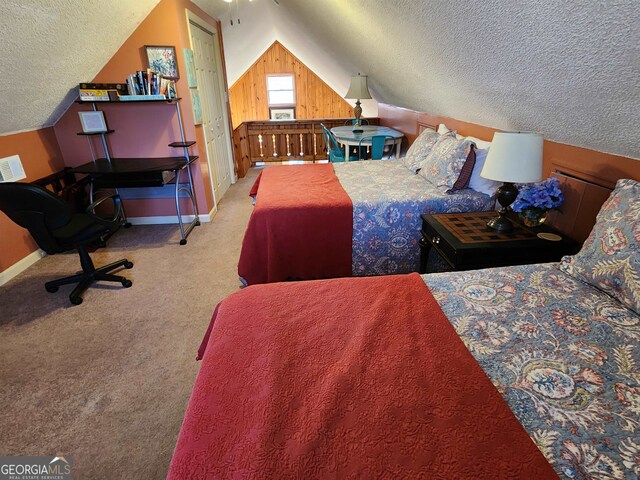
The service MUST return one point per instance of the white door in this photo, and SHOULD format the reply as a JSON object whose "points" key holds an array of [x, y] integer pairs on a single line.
{"points": [[214, 116]]}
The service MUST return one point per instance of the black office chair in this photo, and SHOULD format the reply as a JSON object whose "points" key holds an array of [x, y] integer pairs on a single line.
{"points": [[56, 229]]}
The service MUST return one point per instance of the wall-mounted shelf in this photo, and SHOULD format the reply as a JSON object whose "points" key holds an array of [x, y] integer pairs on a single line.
{"points": [[95, 133], [182, 144], [164, 100]]}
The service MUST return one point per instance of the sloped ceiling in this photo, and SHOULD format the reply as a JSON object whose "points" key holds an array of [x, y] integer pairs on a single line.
{"points": [[49, 46], [570, 70], [264, 21]]}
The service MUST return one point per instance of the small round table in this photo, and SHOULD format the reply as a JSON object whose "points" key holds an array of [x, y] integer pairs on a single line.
{"points": [[345, 136]]}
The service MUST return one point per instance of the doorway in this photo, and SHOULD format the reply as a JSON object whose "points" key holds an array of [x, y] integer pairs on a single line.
{"points": [[215, 124]]}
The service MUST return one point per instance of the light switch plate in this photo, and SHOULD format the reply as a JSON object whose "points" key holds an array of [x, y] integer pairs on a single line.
{"points": [[11, 169]]}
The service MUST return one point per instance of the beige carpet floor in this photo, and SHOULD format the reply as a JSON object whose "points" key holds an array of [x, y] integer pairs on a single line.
{"points": [[107, 382]]}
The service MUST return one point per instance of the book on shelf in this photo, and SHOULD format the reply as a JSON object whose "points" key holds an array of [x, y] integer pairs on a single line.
{"points": [[101, 92], [151, 84], [131, 98], [142, 85]]}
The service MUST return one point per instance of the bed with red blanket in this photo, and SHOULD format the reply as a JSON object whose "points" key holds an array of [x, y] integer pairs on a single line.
{"points": [[496, 373], [386, 377], [336, 220]]}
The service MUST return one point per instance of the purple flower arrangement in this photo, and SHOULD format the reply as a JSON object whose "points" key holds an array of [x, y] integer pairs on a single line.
{"points": [[535, 199]]}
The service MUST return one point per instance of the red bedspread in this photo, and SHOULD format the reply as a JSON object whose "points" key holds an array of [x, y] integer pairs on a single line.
{"points": [[346, 378], [300, 228]]}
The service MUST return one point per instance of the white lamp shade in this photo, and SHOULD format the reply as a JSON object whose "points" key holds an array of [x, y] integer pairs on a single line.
{"points": [[514, 157], [358, 88]]}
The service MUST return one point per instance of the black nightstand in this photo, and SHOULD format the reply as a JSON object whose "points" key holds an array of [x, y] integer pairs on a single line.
{"points": [[464, 242]]}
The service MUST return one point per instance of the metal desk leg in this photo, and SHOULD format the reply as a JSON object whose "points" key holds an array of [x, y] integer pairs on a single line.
{"points": [[189, 191]]}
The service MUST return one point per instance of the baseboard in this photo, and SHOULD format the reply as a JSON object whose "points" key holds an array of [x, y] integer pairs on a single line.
{"points": [[20, 266], [169, 219]]}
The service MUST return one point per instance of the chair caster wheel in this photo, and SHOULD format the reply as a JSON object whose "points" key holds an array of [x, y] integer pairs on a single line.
{"points": [[128, 265], [198, 223], [127, 225], [76, 300], [126, 283], [51, 289], [183, 241]]}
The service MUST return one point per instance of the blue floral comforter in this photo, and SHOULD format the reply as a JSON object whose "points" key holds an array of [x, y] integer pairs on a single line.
{"points": [[387, 202], [563, 354]]}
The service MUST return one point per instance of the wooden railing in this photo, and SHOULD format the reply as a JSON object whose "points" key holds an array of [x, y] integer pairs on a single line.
{"points": [[273, 141]]}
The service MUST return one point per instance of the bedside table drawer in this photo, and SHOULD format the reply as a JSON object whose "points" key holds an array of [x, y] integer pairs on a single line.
{"points": [[438, 243]]}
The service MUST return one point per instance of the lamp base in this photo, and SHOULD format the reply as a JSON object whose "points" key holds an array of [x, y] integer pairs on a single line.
{"points": [[500, 224], [506, 195]]}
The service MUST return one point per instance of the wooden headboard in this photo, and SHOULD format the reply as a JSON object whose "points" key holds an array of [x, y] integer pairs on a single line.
{"points": [[582, 202], [423, 126], [585, 189], [587, 176]]}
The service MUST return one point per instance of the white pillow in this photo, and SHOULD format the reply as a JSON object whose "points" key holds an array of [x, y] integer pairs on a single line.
{"points": [[442, 129], [478, 183]]}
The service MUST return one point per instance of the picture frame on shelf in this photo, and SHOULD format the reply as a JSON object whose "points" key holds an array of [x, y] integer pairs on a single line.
{"points": [[279, 113], [162, 60], [93, 122], [192, 80]]}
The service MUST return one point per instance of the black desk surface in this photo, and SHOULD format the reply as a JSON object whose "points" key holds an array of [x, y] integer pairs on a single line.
{"points": [[133, 165]]}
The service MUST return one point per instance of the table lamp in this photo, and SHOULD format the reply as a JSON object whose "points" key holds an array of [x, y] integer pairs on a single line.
{"points": [[358, 90], [514, 157]]}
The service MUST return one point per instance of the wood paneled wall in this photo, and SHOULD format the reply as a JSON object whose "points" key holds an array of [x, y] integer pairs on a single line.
{"points": [[314, 98]]}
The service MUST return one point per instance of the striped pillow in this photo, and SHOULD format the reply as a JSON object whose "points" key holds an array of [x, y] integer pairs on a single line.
{"points": [[467, 170]]}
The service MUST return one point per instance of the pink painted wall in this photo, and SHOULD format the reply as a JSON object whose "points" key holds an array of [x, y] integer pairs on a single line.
{"points": [[145, 129]]}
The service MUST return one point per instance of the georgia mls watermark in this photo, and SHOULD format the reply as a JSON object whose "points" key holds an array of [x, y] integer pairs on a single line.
{"points": [[35, 468]]}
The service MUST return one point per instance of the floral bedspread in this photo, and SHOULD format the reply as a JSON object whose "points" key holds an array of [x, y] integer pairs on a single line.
{"points": [[387, 202], [563, 354]]}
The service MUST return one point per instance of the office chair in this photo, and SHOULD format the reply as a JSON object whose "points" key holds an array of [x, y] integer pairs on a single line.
{"points": [[56, 229]]}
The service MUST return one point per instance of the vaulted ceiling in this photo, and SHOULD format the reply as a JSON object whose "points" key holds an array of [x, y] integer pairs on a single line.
{"points": [[567, 69], [49, 46], [570, 70]]}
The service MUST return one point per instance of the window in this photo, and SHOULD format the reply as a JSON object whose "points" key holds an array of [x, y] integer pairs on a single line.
{"points": [[281, 90]]}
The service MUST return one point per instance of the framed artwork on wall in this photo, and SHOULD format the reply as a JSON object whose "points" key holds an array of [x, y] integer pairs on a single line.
{"points": [[197, 109], [288, 113], [191, 67], [163, 60], [93, 122]]}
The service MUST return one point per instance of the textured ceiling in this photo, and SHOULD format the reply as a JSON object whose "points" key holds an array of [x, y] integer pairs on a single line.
{"points": [[567, 69], [49, 46]]}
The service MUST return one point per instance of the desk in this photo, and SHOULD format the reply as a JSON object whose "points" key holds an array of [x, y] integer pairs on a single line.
{"points": [[144, 172], [346, 136]]}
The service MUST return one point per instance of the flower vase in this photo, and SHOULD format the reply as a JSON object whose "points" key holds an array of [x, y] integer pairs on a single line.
{"points": [[531, 219]]}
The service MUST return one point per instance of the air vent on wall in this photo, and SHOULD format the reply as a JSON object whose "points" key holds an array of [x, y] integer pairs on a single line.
{"points": [[11, 169]]}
